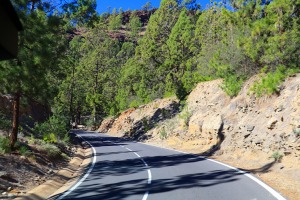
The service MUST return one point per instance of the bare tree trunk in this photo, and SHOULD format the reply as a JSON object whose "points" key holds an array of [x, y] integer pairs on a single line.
{"points": [[15, 128]]}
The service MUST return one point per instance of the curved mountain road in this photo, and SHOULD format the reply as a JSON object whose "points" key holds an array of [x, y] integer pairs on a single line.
{"points": [[130, 170]]}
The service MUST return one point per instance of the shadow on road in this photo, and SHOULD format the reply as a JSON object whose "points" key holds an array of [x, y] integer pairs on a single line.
{"points": [[92, 188]]}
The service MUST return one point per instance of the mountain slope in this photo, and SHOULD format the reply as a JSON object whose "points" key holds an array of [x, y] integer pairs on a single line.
{"points": [[257, 134]]}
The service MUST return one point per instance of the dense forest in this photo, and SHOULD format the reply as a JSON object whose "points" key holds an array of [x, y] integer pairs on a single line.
{"points": [[84, 65]]}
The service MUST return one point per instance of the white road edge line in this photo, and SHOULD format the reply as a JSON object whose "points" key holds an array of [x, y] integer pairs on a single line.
{"points": [[85, 176], [268, 188]]}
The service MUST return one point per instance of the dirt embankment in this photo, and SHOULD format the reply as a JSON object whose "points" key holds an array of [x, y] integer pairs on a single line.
{"points": [[19, 174], [247, 132]]}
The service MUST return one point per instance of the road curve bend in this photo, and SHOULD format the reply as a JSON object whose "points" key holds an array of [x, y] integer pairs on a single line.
{"points": [[130, 170]]}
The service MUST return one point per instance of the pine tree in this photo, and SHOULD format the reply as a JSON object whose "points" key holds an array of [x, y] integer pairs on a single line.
{"points": [[150, 54], [115, 20], [81, 12], [40, 46], [180, 46], [135, 26]]}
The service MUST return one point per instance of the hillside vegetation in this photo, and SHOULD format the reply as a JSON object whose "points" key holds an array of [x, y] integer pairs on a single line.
{"points": [[182, 46]]}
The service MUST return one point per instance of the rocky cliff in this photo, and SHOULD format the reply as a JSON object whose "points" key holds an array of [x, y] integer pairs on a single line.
{"points": [[261, 135]]}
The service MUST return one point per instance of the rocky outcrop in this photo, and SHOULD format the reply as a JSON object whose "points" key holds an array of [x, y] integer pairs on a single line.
{"points": [[136, 121], [264, 124], [106, 124]]}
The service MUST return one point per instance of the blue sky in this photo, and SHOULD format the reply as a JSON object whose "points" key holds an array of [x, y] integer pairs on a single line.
{"points": [[104, 5]]}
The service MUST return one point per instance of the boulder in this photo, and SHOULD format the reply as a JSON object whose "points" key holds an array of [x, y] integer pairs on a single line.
{"points": [[106, 125], [212, 124], [195, 123]]}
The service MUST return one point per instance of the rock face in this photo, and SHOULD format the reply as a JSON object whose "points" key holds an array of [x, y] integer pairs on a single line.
{"points": [[136, 121], [106, 124]]}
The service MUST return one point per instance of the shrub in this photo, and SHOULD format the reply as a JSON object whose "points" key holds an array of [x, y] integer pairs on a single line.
{"points": [[163, 134], [52, 130], [185, 115], [90, 122], [51, 150], [277, 156], [4, 145], [5, 124], [65, 156], [296, 131], [232, 85], [50, 138], [31, 140], [146, 124], [270, 82], [24, 151]]}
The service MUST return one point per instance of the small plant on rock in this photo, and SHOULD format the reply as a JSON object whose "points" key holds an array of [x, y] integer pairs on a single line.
{"points": [[163, 134], [296, 131], [277, 156], [186, 115], [146, 125]]}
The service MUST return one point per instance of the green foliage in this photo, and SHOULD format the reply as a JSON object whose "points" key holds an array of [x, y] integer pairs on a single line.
{"points": [[147, 6], [270, 82], [179, 46], [53, 130], [50, 150], [135, 26], [65, 156], [50, 138], [232, 85], [81, 12], [24, 151], [163, 134], [296, 131], [185, 115], [277, 156], [146, 124], [5, 124], [4, 145], [89, 122], [32, 140], [115, 21]]}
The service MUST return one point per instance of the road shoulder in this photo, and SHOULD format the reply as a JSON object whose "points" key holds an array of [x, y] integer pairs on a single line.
{"points": [[64, 179]]}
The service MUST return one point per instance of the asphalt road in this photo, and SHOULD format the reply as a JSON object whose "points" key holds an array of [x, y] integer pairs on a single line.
{"points": [[130, 170]]}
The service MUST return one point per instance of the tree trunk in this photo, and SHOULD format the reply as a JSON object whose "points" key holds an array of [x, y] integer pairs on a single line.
{"points": [[15, 127]]}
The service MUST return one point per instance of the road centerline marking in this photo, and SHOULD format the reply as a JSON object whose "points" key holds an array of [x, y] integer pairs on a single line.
{"points": [[128, 149], [149, 176], [137, 154], [148, 170]]}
